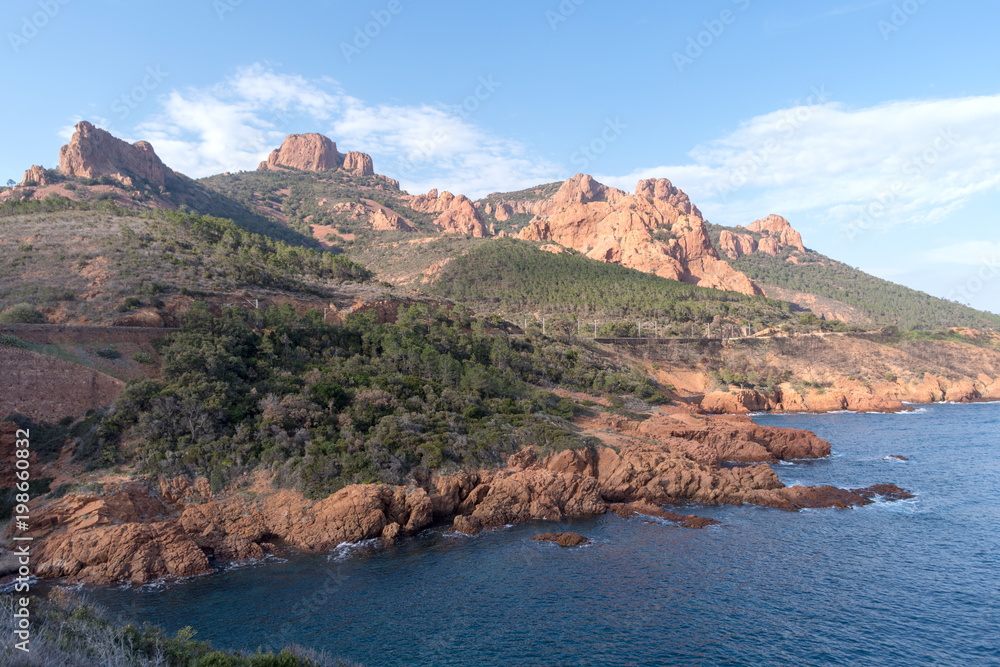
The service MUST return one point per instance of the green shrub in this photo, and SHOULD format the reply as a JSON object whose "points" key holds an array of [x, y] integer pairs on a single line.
{"points": [[143, 358], [21, 313], [12, 341], [109, 353]]}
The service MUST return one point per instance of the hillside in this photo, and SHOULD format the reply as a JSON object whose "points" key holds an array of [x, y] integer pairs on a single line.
{"points": [[833, 289], [513, 278], [79, 263], [98, 169]]}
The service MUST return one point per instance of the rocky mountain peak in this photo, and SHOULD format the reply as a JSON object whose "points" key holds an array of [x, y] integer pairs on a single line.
{"points": [[657, 230], [316, 152], [664, 190], [777, 233], [308, 152], [93, 152]]}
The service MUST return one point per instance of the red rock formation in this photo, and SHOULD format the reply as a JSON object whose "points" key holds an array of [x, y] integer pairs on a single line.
{"points": [[569, 539], [384, 219], [661, 188], [778, 235], [360, 164], [458, 215], [93, 152], [35, 176], [130, 532], [780, 230], [643, 508], [656, 231], [308, 152]]}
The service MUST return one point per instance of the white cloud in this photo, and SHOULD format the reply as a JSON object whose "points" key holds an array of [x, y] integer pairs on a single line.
{"points": [[970, 253], [235, 124], [905, 162]]}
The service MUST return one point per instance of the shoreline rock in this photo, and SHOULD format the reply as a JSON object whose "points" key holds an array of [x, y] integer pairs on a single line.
{"points": [[568, 539], [133, 531]]}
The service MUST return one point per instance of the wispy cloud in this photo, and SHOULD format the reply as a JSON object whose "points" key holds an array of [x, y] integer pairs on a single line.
{"points": [[905, 162], [233, 125], [969, 253]]}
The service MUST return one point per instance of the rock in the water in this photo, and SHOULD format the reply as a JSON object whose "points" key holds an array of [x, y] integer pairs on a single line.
{"points": [[626, 510], [568, 539]]}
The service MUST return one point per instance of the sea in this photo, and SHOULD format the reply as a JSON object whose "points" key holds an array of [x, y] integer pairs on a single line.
{"points": [[905, 583]]}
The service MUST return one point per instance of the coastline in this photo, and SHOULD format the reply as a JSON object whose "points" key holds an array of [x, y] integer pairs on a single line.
{"points": [[131, 530]]}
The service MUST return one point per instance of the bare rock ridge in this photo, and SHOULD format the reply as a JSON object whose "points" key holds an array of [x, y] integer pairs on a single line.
{"points": [[93, 152], [656, 230], [458, 215], [315, 152], [776, 232]]}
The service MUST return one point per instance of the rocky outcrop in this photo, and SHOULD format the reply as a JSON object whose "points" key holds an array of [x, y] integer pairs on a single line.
{"points": [[132, 532], [316, 152], [769, 235], [643, 508], [657, 230], [778, 229], [384, 219], [662, 189], [308, 152], [35, 176], [359, 164], [853, 395], [93, 152], [568, 539], [458, 215]]}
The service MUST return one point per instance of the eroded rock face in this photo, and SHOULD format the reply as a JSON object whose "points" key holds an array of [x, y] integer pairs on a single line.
{"points": [[657, 230], [778, 235], [853, 395], [35, 176], [131, 532], [458, 215], [316, 152], [360, 164], [308, 152], [780, 230], [93, 152]]}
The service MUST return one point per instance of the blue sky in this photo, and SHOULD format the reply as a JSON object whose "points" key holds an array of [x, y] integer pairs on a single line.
{"points": [[874, 126]]}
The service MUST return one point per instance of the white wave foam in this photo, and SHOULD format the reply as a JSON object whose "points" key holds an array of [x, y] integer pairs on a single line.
{"points": [[918, 411], [345, 550]]}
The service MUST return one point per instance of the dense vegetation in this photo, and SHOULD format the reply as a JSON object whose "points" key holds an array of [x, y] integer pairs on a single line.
{"points": [[884, 302], [510, 278], [66, 630], [328, 406]]}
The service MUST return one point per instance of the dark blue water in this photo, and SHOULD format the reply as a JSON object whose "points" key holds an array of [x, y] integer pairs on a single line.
{"points": [[910, 583]]}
